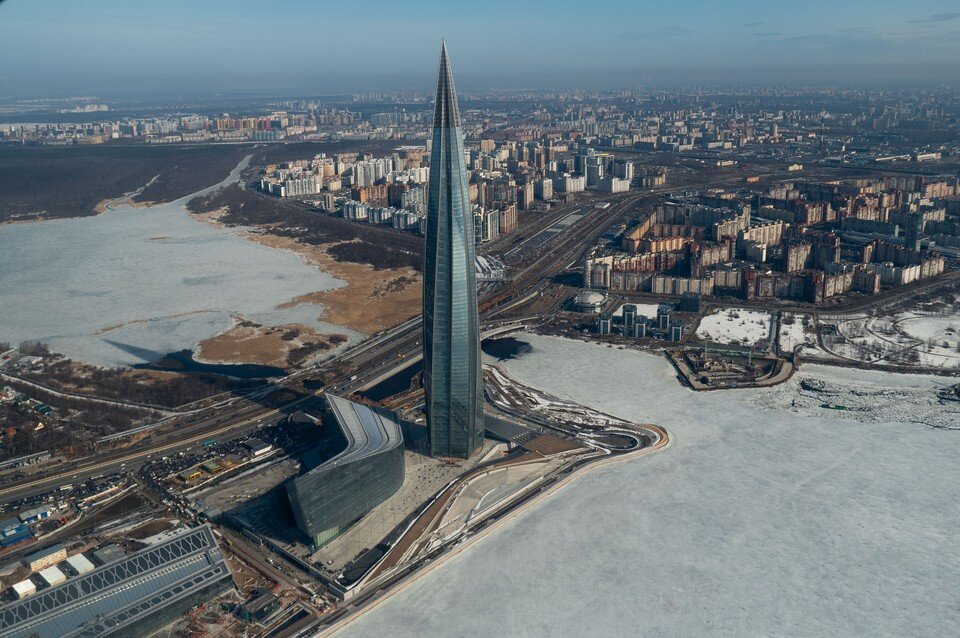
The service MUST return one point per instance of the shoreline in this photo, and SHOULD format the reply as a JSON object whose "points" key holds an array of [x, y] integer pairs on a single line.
{"points": [[105, 205], [183, 318], [510, 515], [247, 342], [365, 303]]}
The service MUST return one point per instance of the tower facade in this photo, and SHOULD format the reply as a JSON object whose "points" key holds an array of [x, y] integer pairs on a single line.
{"points": [[914, 231], [452, 380]]}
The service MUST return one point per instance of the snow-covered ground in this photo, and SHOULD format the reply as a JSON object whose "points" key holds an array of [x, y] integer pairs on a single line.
{"points": [[133, 284], [939, 337], [489, 267], [544, 405], [754, 522], [736, 325], [648, 310], [930, 339], [796, 331]]}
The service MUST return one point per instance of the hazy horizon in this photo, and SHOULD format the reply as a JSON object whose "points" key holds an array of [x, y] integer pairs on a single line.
{"points": [[116, 50]]}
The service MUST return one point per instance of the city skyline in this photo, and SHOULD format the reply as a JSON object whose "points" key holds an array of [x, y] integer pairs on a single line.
{"points": [[120, 50]]}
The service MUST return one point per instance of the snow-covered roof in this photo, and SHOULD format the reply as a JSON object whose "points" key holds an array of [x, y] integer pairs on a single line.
{"points": [[591, 297], [80, 563], [52, 575]]}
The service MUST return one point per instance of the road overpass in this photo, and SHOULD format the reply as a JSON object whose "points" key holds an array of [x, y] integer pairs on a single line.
{"points": [[378, 357]]}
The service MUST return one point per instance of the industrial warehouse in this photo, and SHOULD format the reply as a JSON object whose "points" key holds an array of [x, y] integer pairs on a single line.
{"points": [[130, 596]]}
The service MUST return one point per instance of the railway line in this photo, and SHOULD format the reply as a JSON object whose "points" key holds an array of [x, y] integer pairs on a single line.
{"points": [[231, 416]]}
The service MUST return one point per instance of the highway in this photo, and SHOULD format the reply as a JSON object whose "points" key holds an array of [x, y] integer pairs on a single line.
{"points": [[382, 355], [229, 416], [550, 247], [130, 459]]}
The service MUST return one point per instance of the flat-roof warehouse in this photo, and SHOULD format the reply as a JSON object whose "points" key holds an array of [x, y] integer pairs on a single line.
{"points": [[130, 597]]}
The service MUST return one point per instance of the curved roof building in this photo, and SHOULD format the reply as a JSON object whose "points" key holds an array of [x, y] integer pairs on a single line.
{"points": [[590, 301], [329, 498]]}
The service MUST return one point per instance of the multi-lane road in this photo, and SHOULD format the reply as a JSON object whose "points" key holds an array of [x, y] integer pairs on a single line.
{"points": [[379, 356], [550, 247]]}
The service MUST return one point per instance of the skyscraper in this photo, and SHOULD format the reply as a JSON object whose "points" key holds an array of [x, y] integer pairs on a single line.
{"points": [[451, 335]]}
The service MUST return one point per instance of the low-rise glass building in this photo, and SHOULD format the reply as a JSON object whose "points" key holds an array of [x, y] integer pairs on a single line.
{"points": [[329, 498]]}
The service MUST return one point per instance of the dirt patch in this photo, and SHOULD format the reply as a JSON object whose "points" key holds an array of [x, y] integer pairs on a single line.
{"points": [[109, 204], [279, 346], [82, 378], [19, 573], [150, 528], [148, 377], [212, 217], [157, 387], [372, 300]]}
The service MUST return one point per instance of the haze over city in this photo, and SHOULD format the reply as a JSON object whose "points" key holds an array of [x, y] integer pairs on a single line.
{"points": [[430, 319], [127, 49]]}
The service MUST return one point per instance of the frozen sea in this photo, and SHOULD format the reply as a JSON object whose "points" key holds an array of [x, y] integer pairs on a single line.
{"points": [[165, 278], [754, 522]]}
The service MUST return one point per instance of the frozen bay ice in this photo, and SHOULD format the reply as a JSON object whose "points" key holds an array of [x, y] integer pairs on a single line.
{"points": [[123, 286], [754, 522]]}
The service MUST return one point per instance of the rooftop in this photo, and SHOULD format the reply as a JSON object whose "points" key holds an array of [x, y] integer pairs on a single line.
{"points": [[52, 574], [80, 563], [53, 549], [119, 594], [256, 444], [368, 430], [446, 113], [591, 297]]}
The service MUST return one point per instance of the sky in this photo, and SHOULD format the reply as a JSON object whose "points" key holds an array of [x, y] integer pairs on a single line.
{"points": [[299, 47]]}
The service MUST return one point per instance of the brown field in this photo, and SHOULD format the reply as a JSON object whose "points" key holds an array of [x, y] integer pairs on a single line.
{"points": [[250, 342], [372, 300], [79, 377]]}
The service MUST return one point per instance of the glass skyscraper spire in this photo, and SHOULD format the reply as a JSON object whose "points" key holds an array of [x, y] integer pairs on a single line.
{"points": [[451, 335]]}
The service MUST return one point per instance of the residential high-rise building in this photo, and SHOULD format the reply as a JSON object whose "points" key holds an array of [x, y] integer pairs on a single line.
{"points": [[487, 224], [451, 336], [525, 194], [508, 218], [914, 231], [623, 169], [543, 189]]}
